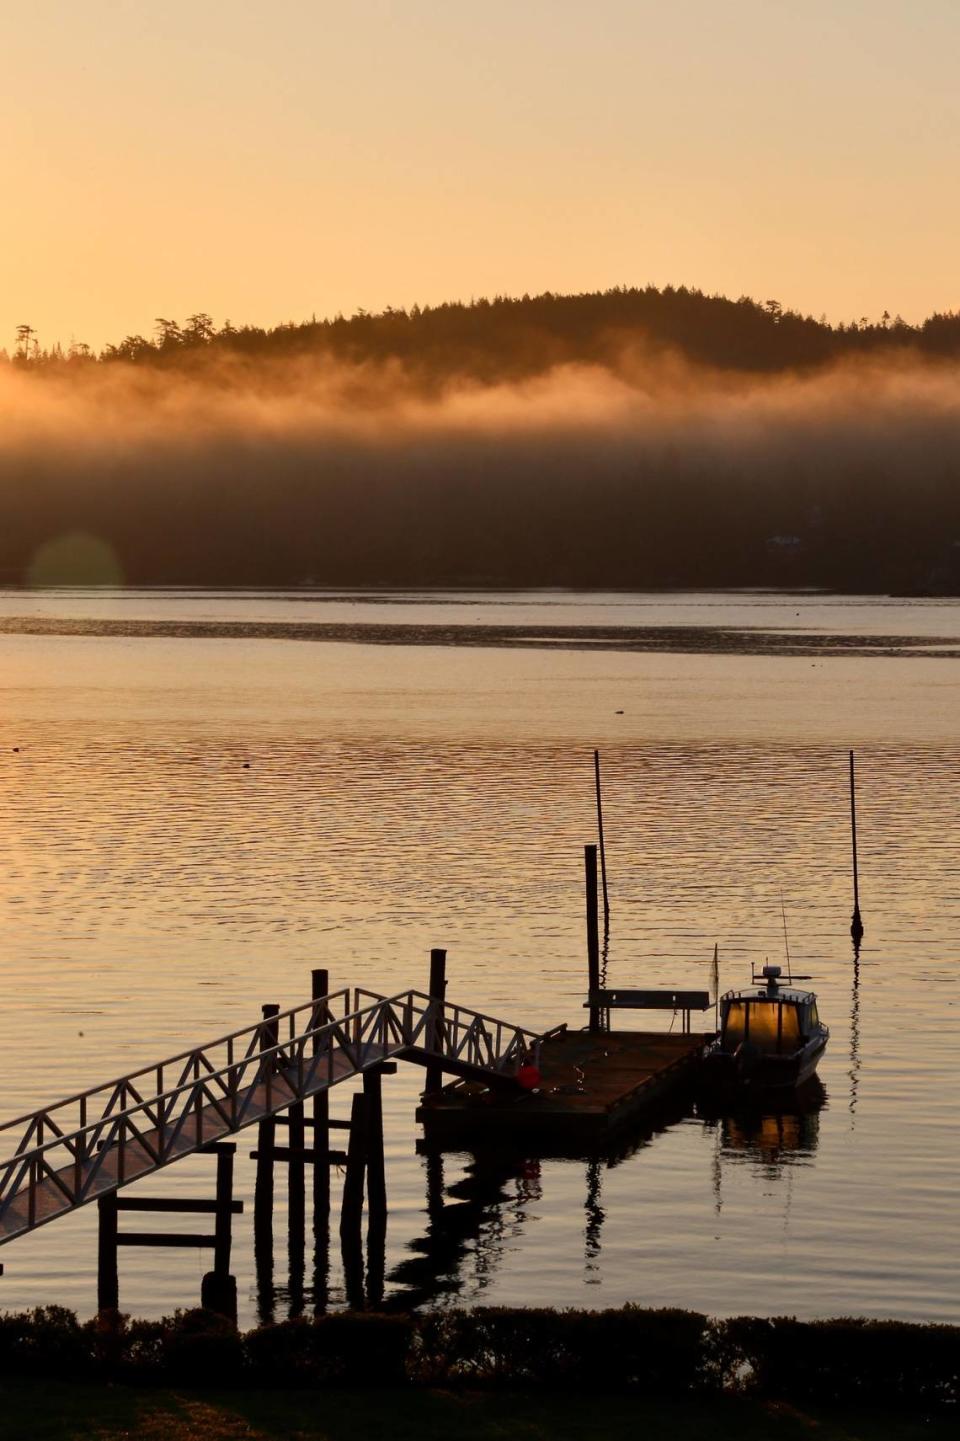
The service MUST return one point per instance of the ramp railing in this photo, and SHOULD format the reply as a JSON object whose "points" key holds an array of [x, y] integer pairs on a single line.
{"points": [[97, 1140]]}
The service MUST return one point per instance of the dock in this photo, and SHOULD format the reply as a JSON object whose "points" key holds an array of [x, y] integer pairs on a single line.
{"points": [[487, 1080], [591, 1087]]}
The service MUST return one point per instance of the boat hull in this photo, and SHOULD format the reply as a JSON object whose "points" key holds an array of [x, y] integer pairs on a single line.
{"points": [[763, 1072]]}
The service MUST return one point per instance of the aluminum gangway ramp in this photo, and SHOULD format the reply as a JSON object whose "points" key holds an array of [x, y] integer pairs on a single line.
{"points": [[81, 1148]]}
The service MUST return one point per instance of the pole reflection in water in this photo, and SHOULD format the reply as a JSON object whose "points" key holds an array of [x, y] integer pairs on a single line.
{"points": [[321, 1244], [594, 1224], [466, 1219], [263, 1264], [854, 1072]]}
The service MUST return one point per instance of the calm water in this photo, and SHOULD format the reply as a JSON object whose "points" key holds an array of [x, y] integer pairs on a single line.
{"points": [[189, 825]]}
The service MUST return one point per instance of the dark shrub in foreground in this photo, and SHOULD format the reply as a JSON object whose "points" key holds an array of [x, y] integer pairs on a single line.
{"points": [[348, 1349], [47, 1341], [626, 1350], [199, 1348], [852, 1360], [649, 1353]]}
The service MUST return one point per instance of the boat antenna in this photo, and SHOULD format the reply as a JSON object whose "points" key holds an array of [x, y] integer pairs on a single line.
{"points": [[786, 941]]}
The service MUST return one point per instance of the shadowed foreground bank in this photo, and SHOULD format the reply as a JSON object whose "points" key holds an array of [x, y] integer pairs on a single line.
{"points": [[671, 1354], [64, 1412]]}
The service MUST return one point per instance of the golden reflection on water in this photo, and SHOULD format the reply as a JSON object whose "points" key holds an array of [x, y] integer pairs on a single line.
{"points": [[187, 827]]}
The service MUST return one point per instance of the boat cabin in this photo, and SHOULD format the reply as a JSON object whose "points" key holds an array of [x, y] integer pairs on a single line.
{"points": [[771, 1020]]}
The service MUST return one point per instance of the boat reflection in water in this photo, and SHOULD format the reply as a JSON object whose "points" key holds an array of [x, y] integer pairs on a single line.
{"points": [[774, 1133], [769, 1136]]}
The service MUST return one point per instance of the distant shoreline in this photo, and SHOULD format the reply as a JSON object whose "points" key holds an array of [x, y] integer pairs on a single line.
{"points": [[673, 639]]}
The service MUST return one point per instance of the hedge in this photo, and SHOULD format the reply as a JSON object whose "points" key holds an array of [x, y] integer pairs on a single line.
{"points": [[653, 1353]]}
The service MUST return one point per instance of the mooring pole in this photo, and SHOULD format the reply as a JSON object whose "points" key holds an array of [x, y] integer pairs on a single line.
{"points": [[108, 1285], [856, 923], [603, 849], [437, 992], [593, 937], [266, 1132]]}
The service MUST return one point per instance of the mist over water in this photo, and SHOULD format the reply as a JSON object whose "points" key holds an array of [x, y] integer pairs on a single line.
{"points": [[647, 467]]}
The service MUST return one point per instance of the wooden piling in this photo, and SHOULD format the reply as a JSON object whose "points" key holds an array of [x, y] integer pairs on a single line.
{"points": [[225, 1152], [593, 936], [320, 987], [376, 1188], [437, 992], [376, 1173], [218, 1288], [108, 1284], [266, 1135], [856, 922], [353, 1184], [219, 1293], [351, 1213]]}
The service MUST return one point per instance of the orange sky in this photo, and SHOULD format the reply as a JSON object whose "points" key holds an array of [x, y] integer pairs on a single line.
{"points": [[264, 161]]}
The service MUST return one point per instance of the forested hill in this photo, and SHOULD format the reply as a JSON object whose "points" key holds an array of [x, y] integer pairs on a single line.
{"points": [[508, 339]]}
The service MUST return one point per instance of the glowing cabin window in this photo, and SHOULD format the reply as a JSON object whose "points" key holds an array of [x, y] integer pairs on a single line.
{"points": [[771, 1026], [733, 1025], [792, 1039], [763, 1025]]}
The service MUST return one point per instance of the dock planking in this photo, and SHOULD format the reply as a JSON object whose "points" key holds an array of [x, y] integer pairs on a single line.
{"points": [[591, 1085]]}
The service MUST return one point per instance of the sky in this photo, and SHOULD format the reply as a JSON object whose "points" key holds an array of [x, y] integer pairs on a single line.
{"points": [[266, 160]]}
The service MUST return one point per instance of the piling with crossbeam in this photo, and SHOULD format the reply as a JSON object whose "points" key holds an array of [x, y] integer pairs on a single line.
{"points": [[218, 1289], [108, 1284], [437, 993], [593, 936]]}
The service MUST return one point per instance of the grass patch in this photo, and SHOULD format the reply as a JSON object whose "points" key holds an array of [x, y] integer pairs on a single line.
{"points": [[41, 1411]]}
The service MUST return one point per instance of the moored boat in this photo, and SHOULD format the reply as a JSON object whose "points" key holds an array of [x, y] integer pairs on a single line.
{"points": [[770, 1038]]}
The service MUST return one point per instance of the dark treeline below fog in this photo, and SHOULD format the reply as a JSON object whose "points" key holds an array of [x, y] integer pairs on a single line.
{"points": [[630, 438]]}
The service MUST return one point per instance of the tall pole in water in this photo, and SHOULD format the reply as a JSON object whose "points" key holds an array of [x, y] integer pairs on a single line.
{"points": [[603, 849], [593, 939], [856, 923]]}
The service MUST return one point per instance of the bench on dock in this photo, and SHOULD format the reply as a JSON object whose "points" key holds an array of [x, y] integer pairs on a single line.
{"points": [[659, 1000]]}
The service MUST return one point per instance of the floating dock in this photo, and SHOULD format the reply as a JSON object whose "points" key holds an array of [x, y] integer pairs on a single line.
{"points": [[591, 1086]]}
